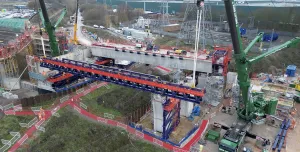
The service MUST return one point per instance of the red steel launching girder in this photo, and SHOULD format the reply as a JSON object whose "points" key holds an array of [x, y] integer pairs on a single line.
{"points": [[126, 78], [62, 77], [103, 62]]}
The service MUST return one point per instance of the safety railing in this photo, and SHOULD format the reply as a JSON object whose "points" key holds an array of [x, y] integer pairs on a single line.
{"points": [[8, 143], [29, 124]]}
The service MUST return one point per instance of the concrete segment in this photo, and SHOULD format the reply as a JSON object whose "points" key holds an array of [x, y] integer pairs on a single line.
{"points": [[186, 63]]}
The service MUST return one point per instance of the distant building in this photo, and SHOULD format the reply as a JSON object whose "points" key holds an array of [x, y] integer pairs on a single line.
{"points": [[136, 34], [142, 22], [20, 6]]}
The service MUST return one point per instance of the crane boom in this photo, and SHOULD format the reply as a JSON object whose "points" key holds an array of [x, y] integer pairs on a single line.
{"points": [[288, 44], [256, 39], [246, 109], [75, 39], [42, 18], [50, 29], [62, 15]]}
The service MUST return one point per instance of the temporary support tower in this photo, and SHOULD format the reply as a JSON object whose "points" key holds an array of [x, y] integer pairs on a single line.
{"points": [[171, 116]]}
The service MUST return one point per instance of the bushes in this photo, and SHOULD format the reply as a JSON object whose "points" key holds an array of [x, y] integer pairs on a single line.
{"points": [[71, 133], [125, 100], [11, 124]]}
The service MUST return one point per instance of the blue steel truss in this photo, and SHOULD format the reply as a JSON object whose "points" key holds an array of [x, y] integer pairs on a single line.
{"points": [[156, 90], [171, 119]]}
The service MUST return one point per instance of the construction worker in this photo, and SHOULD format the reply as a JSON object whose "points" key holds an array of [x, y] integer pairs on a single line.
{"points": [[41, 114]]}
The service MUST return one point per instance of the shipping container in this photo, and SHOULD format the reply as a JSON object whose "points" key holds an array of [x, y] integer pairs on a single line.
{"points": [[291, 70]]}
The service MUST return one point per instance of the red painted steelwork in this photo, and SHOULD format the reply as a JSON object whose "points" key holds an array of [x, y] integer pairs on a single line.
{"points": [[127, 78]]}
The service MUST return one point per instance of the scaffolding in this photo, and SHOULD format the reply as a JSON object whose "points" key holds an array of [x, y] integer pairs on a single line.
{"points": [[11, 67], [214, 90]]}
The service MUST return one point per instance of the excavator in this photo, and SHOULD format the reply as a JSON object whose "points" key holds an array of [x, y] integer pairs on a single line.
{"points": [[251, 105]]}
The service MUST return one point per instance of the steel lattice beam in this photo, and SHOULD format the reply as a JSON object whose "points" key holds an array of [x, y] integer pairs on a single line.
{"points": [[126, 78]]}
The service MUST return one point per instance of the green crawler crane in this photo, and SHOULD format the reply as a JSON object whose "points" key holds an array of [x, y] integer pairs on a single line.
{"points": [[251, 105], [50, 28], [246, 108]]}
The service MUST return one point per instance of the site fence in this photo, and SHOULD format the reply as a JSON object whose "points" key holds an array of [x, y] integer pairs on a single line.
{"points": [[144, 134], [8, 143], [138, 114], [37, 100]]}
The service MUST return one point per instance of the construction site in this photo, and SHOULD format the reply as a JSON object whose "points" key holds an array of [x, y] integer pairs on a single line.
{"points": [[211, 78]]}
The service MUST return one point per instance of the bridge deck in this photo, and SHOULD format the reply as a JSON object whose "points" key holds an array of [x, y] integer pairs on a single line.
{"points": [[169, 61]]}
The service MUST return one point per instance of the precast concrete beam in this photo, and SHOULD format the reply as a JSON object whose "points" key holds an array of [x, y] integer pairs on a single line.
{"points": [[153, 59]]}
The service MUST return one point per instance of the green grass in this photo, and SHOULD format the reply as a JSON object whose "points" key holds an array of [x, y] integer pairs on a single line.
{"points": [[118, 101], [71, 132], [47, 104], [91, 101], [11, 124]]}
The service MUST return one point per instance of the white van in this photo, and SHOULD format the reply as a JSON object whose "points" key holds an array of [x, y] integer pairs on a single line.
{"points": [[96, 26], [139, 46]]}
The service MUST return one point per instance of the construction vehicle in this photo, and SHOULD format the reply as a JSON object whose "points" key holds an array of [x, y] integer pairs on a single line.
{"points": [[55, 51], [151, 47], [138, 46], [235, 135], [251, 105], [297, 93], [180, 52], [75, 39]]}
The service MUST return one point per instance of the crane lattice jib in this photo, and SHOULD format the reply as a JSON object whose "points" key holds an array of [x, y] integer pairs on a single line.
{"points": [[50, 28]]}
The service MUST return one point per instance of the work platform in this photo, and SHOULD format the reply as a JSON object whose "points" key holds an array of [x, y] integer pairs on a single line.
{"points": [[169, 61]]}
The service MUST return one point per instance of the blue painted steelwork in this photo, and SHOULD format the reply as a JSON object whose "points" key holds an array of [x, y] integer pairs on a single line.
{"points": [[156, 90], [280, 138], [75, 85], [188, 135], [275, 142], [171, 119], [62, 83], [139, 128], [280, 144]]}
